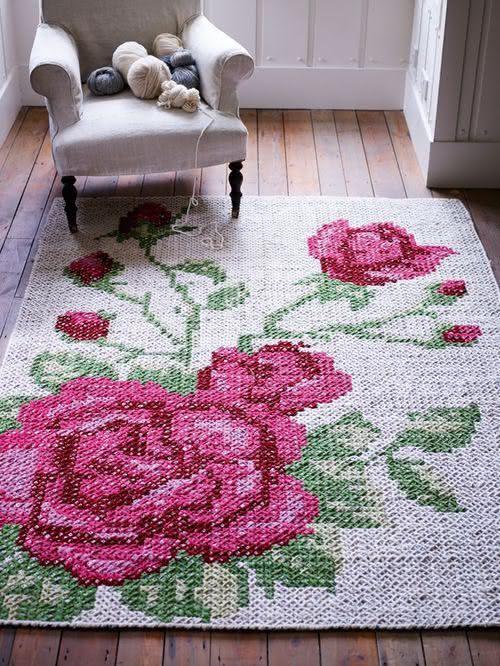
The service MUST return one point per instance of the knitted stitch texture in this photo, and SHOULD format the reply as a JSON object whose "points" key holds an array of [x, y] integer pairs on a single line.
{"points": [[295, 431]]}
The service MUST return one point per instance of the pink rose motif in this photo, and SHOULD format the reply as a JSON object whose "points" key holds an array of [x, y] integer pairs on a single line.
{"points": [[92, 267], [284, 376], [452, 288], [112, 479], [151, 212], [462, 334], [374, 254], [83, 325]]}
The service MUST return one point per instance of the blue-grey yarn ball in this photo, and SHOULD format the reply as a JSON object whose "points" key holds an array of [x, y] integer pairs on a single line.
{"points": [[168, 61], [181, 58], [105, 81], [187, 76]]}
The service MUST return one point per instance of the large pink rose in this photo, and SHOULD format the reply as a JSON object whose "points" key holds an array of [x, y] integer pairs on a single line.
{"points": [[113, 478], [373, 254], [283, 376]]}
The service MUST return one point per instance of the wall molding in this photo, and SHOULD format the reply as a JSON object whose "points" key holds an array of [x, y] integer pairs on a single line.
{"points": [[324, 88], [442, 162], [10, 102]]}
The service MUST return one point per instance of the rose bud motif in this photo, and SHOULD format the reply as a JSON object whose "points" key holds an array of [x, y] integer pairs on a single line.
{"points": [[462, 334], [92, 267], [374, 254], [452, 288], [153, 213], [83, 325]]}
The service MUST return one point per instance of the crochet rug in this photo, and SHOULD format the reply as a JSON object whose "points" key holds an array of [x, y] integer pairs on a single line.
{"points": [[295, 428]]}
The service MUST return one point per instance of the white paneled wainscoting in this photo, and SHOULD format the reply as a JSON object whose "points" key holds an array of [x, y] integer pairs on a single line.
{"points": [[309, 53], [452, 101], [321, 53]]}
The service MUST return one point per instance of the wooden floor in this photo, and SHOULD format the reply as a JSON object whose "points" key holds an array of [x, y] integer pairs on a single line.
{"points": [[365, 153]]}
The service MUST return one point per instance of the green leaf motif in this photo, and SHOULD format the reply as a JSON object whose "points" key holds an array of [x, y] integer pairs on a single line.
{"points": [[224, 589], [9, 408], [332, 469], [204, 268], [228, 297], [52, 370], [30, 591], [334, 290], [420, 483], [172, 379], [170, 593], [440, 430], [304, 562]]}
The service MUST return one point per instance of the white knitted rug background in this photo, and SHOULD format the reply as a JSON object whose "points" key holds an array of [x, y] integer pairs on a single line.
{"points": [[296, 430]]}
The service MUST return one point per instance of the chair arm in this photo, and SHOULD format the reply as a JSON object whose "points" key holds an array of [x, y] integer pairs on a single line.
{"points": [[55, 74], [221, 61]]}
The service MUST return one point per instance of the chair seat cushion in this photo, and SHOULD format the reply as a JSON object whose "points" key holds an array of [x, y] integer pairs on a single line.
{"points": [[125, 135]]}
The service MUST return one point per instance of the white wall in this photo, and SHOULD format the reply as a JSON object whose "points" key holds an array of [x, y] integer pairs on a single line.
{"points": [[321, 53], [10, 93], [309, 53], [452, 101]]}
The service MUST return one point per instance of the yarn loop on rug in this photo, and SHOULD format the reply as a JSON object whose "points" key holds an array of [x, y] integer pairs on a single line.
{"points": [[105, 81]]}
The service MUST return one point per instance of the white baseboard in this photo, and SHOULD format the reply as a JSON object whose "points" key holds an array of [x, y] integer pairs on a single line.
{"points": [[10, 103], [301, 88], [449, 164], [420, 131], [323, 88], [464, 164]]}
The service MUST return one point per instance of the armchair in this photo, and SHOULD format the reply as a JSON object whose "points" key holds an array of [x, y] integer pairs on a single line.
{"points": [[120, 134]]}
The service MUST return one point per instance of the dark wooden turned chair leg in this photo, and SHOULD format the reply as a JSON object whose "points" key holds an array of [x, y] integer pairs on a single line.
{"points": [[236, 180], [70, 193]]}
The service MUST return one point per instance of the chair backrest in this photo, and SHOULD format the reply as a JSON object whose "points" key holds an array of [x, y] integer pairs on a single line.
{"points": [[99, 26]]}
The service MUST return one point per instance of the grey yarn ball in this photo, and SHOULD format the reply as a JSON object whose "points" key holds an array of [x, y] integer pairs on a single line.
{"points": [[168, 61], [187, 76], [181, 58], [105, 81]]}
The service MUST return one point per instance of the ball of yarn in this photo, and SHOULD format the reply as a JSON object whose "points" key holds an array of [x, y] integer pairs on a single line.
{"points": [[125, 56], [166, 44], [187, 76], [167, 60], [146, 75], [179, 97], [105, 81], [181, 58]]}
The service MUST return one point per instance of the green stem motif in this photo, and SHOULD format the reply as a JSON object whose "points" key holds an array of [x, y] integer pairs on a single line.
{"points": [[145, 303], [193, 310], [132, 353], [366, 330]]}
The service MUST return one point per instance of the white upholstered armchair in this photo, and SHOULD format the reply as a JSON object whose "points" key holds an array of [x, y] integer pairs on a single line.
{"points": [[120, 134]]}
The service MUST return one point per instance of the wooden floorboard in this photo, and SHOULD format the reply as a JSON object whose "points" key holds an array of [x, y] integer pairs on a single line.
{"points": [[297, 152], [191, 648], [349, 648], [382, 163], [356, 173], [35, 647], [140, 647]]}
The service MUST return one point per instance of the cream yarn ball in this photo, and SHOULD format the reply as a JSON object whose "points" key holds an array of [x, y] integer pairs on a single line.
{"points": [[174, 95], [165, 44], [146, 75], [125, 56]]}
